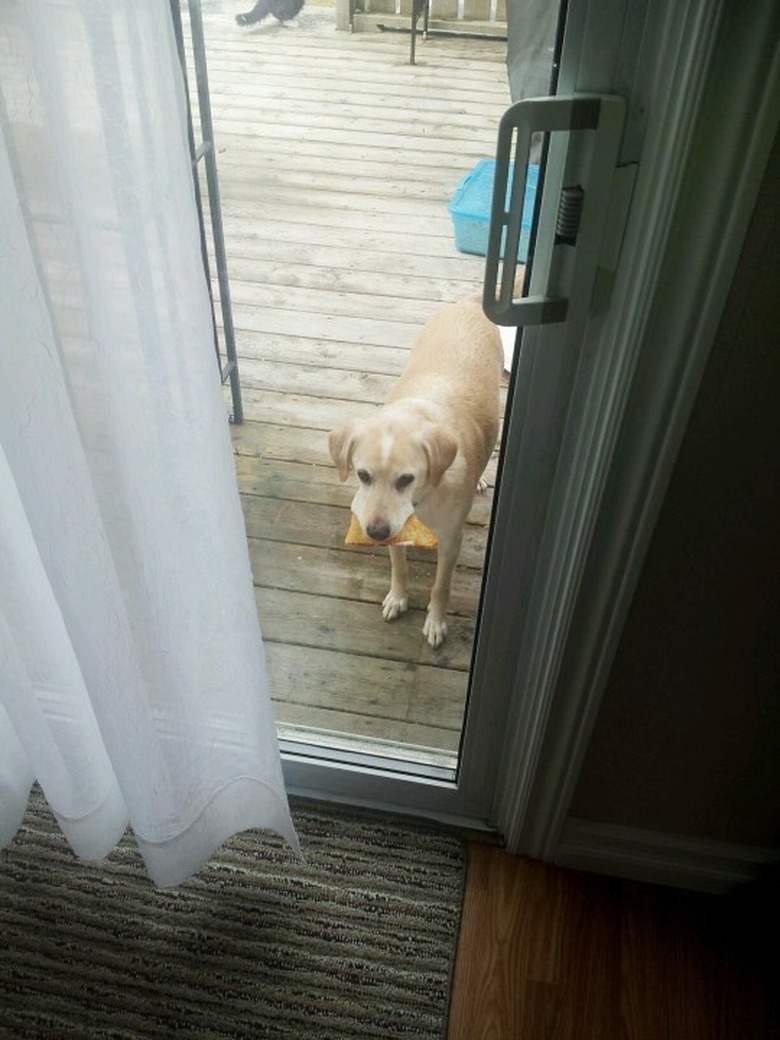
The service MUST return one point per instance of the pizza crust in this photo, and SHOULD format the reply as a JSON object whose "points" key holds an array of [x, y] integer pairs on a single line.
{"points": [[414, 532]]}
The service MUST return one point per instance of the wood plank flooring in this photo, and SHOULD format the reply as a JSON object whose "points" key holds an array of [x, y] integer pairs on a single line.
{"points": [[336, 162], [551, 954]]}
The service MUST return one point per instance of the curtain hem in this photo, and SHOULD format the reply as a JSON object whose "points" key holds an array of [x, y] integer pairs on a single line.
{"points": [[16, 781], [93, 836], [241, 805]]}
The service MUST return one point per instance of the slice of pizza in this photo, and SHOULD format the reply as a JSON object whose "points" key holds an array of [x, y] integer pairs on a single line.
{"points": [[414, 532]]}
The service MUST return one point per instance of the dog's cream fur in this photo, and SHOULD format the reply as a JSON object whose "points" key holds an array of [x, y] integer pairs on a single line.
{"points": [[425, 450]]}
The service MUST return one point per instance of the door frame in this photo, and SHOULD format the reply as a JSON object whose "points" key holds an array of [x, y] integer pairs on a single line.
{"points": [[705, 154]]}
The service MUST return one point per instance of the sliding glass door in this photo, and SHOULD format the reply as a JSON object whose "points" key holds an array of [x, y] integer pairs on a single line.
{"points": [[593, 49]]}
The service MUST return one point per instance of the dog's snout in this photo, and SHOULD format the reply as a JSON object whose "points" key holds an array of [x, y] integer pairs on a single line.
{"points": [[378, 531]]}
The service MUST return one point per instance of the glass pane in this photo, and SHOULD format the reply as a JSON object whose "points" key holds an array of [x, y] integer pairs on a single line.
{"points": [[342, 172]]}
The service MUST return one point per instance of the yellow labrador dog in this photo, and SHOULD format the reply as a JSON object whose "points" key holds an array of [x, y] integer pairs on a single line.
{"points": [[425, 450]]}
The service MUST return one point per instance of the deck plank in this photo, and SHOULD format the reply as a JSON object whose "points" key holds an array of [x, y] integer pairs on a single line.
{"points": [[326, 623], [317, 482], [378, 693], [324, 571], [312, 523]]}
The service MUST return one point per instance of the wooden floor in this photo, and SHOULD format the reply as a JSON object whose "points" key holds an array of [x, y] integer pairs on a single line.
{"points": [[550, 954], [336, 161]]}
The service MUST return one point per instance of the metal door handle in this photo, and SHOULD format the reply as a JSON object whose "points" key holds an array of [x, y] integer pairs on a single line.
{"points": [[603, 116]]}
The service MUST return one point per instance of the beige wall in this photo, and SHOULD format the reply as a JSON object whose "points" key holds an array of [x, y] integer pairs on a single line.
{"points": [[688, 737]]}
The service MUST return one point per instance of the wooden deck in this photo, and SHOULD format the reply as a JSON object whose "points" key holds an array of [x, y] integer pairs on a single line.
{"points": [[336, 161]]}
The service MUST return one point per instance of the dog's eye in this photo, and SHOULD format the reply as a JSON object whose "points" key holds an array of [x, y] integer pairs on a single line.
{"points": [[364, 476], [404, 481]]}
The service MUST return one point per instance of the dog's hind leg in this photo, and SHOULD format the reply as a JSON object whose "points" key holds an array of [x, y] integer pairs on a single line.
{"points": [[397, 599]]}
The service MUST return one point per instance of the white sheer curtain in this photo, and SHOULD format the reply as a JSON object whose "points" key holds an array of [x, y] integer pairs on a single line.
{"points": [[132, 675]]}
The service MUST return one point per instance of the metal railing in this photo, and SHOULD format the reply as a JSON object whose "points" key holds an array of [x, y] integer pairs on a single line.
{"points": [[205, 151]]}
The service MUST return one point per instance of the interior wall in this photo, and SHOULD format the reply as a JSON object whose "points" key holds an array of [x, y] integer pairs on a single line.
{"points": [[688, 737]]}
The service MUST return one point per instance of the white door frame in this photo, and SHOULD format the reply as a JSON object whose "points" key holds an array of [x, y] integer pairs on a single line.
{"points": [[716, 116]]}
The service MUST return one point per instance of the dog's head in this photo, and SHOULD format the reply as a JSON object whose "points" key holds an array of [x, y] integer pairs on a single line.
{"points": [[395, 465]]}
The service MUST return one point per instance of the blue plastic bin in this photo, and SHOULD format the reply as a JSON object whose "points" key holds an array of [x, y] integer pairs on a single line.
{"points": [[470, 208]]}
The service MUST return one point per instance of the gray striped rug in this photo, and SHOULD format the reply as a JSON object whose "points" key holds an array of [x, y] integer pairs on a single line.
{"points": [[357, 943]]}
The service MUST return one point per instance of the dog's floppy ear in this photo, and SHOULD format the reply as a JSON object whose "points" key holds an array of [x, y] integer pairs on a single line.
{"points": [[440, 450], [341, 443]]}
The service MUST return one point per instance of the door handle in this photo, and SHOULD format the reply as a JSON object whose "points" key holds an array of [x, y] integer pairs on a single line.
{"points": [[574, 220]]}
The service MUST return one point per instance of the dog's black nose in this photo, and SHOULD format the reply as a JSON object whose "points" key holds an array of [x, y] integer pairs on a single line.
{"points": [[379, 532]]}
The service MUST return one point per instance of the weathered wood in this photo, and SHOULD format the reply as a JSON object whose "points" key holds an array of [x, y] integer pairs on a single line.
{"points": [[312, 523], [358, 357], [352, 258], [313, 413], [328, 572], [394, 117], [393, 288], [381, 693], [319, 482], [328, 623], [309, 724], [365, 307], [348, 229], [247, 89], [255, 440], [328, 383], [337, 160]]}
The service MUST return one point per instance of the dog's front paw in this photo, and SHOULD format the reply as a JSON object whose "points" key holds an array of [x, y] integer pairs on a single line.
{"points": [[434, 629], [482, 486], [393, 606]]}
